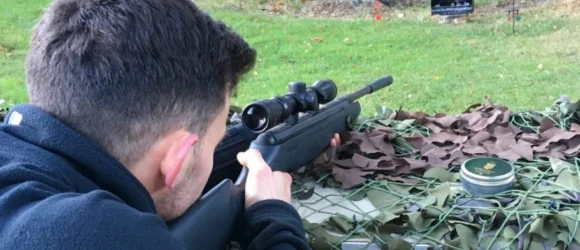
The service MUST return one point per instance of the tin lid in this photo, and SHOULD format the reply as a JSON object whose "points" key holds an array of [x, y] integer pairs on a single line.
{"points": [[487, 169]]}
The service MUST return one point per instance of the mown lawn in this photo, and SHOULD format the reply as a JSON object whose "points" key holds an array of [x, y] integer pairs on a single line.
{"points": [[437, 68]]}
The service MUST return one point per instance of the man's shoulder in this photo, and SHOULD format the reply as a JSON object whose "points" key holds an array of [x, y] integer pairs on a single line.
{"points": [[28, 168], [46, 204], [16, 150], [67, 220]]}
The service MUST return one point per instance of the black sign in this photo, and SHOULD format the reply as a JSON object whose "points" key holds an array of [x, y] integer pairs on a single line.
{"points": [[451, 7]]}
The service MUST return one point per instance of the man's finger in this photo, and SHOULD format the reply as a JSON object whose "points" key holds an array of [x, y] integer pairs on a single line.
{"points": [[253, 160], [242, 159], [337, 139], [332, 142]]}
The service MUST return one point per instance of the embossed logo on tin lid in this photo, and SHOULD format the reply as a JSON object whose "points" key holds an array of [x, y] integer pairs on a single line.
{"points": [[488, 167]]}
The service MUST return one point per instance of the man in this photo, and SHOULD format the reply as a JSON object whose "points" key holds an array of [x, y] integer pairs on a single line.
{"points": [[128, 100]]}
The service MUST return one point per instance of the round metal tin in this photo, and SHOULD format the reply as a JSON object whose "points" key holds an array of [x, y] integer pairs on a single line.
{"points": [[487, 175]]}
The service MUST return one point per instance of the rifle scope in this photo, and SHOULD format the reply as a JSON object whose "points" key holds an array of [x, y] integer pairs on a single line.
{"points": [[265, 114]]}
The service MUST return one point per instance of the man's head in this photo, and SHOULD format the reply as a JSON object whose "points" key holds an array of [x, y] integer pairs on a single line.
{"points": [[148, 80]]}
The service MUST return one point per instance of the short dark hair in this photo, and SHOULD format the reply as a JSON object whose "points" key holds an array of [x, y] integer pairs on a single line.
{"points": [[125, 72]]}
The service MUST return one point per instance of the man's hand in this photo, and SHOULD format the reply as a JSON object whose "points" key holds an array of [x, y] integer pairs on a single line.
{"points": [[262, 183]]}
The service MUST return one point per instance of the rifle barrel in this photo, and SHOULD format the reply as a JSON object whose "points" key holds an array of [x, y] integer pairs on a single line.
{"points": [[370, 88]]}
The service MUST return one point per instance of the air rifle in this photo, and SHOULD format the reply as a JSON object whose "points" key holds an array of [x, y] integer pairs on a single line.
{"points": [[290, 131]]}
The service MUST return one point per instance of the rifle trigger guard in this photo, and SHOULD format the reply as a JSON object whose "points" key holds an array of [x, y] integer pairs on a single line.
{"points": [[241, 180]]}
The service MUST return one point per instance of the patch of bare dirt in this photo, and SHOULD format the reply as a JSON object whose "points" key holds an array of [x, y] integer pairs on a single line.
{"points": [[321, 9]]}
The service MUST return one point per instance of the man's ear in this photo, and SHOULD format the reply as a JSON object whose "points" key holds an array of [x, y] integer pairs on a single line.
{"points": [[180, 144]]}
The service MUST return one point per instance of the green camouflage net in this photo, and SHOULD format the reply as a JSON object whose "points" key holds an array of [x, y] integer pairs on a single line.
{"points": [[394, 184]]}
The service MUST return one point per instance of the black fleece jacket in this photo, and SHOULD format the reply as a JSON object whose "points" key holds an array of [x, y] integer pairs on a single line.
{"points": [[58, 190]]}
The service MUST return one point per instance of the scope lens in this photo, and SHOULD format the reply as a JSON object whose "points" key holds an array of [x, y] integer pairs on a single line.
{"points": [[256, 118]]}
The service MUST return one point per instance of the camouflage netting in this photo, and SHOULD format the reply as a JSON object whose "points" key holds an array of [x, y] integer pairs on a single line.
{"points": [[395, 181]]}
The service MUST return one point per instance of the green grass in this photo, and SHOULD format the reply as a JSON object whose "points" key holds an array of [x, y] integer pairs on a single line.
{"points": [[436, 68], [16, 21]]}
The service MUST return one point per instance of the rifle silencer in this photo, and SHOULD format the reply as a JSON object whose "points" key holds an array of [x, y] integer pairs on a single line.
{"points": [[370, 88], [380, 83]]}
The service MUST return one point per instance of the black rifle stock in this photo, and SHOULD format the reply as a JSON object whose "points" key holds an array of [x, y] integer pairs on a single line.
{"points": [[286, 141]]}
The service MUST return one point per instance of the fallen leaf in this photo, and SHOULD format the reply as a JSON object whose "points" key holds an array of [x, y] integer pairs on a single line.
{"points": [[349, 177], [316, 39]]}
